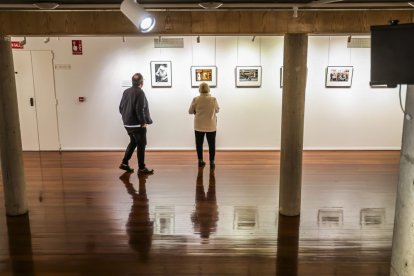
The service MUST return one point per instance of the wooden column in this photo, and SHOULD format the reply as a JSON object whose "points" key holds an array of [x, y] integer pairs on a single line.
{"points": [[402, 259], [293, 109], [10, 140]]}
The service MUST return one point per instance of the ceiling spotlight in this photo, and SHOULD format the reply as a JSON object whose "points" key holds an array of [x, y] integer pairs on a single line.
{"points": [[295, 12], [210, 5], [253, 38], [411, 4], [137, 15], [46, 40], [198, 39], [23, 42], [46, 5]]}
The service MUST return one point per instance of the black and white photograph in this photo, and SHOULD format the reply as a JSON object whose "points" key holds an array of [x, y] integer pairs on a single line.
{"points": [[161, 74], [248, 76]]}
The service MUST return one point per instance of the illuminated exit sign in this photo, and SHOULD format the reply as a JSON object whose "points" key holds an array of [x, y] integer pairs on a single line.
{"points": [[16, 45]]}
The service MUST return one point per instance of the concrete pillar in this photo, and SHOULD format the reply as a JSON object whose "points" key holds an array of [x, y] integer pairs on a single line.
{"points": [[287, 246], [20, 245], [402, 259], [293, 110], [10, 140]]}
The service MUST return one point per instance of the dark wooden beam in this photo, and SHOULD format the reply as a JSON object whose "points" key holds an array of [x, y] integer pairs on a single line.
{"points": [[197, 22]]}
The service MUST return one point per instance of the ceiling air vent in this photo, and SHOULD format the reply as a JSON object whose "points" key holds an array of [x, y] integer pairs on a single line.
{"points": [[168, 42], [358, 42]]}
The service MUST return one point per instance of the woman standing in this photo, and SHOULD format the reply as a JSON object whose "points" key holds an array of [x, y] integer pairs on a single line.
{"points": [[205, 107]]}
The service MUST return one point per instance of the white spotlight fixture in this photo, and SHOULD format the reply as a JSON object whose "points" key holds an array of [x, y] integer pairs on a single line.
{"points": [[143, 20], [210, 5], [46, 5], [23, 42], [295, 12], [46, 40], [411, 4]]}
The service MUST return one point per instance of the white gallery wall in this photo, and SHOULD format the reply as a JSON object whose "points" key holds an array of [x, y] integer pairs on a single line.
{"points": [[359, 117]]}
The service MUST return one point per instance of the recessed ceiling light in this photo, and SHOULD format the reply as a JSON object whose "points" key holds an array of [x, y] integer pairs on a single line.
{"points": [[210, 5], [46, 5]]}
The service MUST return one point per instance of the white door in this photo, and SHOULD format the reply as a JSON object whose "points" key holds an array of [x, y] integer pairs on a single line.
{"points": [[37, 100], [25, 97]]}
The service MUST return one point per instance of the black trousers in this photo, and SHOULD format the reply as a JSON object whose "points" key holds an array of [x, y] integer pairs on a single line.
{"points": [[211, 140], [138, 140]]}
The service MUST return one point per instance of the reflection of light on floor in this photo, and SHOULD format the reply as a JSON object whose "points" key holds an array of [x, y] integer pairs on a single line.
{"points": [[372, 217], [245, 219], [164, 220], [330, 217]]}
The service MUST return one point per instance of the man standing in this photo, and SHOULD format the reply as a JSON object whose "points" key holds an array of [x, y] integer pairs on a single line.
{"points": [[136, 117]]}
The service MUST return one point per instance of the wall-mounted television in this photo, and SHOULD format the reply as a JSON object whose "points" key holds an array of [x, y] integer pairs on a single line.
{"points": [[392, 54]]}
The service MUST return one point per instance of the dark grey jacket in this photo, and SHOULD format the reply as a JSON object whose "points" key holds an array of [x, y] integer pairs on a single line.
{"points": [[134, 108]]}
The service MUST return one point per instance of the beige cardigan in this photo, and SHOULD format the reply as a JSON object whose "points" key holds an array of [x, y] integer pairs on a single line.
{"points": [[205, 108]]}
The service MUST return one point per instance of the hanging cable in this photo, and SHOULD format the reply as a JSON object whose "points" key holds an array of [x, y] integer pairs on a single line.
{"points": [[329, 49], [402, 108], [407, 116], [237, 51], [260, 50], [215, 50], [192, 53]]}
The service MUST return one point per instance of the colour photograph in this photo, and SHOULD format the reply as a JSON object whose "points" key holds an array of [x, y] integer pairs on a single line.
{"points": [[339, 76], [207, 74]]}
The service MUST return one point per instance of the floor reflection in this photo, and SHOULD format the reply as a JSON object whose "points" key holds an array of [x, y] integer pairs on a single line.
{"points": [[164, 220], [245, 219], [287, 246], [372, 217], [139, 226], [205, 215], [20, 245]]}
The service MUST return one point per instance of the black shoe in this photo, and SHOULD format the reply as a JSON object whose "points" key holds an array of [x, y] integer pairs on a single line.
{"points": [[126, 167], [146, 171], [201, 163]]}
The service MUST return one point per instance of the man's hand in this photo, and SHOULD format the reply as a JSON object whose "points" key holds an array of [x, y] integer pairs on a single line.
{"points": [[144, 125]]}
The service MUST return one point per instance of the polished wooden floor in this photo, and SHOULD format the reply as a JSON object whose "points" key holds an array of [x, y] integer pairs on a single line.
{"points": [[87, 218]]}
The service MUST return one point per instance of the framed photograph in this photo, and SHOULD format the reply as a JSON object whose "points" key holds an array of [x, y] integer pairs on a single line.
{"points": [[339, 76], [248, 76], [207, 74], [161, 74]]}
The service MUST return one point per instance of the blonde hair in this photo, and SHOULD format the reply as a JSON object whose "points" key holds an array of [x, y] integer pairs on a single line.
{"points": [[204, 88]]}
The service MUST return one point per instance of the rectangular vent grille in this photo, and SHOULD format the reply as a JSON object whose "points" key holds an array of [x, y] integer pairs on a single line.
{"points": [[168, 42], [356, 42]]}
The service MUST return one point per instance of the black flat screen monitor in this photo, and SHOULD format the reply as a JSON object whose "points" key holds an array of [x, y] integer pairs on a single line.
{"points": [[392, 54]]}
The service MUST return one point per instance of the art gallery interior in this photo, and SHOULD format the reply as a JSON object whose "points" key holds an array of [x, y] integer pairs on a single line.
{"points": [[312, 161]]}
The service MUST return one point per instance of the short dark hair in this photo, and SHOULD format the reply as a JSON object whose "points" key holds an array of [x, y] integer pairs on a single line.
{"points": [[137, 79]]}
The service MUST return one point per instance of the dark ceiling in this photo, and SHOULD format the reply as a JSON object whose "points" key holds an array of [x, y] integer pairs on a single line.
{"points": [[227, 4]]}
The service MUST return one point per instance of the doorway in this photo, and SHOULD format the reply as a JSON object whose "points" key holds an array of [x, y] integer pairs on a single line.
{"points": [[37, 102]]}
